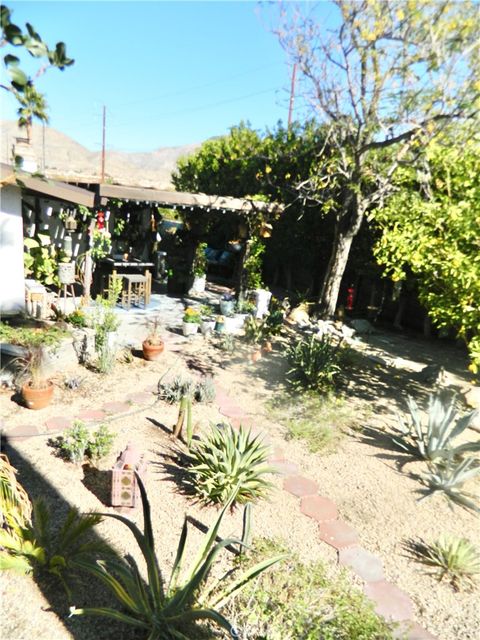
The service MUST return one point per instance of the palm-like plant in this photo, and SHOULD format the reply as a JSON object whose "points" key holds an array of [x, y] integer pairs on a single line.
{"points": [[167, 610], [452, 558], [436, 438], [32, 105], [229, 462]]}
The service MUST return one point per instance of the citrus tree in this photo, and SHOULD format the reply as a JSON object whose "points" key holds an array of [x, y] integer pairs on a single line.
{"points": [[380, 75], [430, 228]]}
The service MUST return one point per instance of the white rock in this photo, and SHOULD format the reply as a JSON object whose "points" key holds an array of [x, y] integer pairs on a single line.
{"points": [[472, 397], [362, 326]]}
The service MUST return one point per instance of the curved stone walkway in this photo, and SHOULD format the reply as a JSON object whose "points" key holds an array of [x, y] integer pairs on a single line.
{"points": [[390, 602]]}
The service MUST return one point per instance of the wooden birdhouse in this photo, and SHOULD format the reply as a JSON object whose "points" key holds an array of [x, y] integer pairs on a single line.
{"points": [[125, 490]]}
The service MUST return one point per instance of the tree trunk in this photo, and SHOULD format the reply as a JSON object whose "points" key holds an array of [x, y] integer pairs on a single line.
{"points": [[333, 278], [346, 228]]}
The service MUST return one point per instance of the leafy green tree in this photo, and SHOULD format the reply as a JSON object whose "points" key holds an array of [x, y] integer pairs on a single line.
{"points": [[387, 75], [430, 228], [20, 85]]}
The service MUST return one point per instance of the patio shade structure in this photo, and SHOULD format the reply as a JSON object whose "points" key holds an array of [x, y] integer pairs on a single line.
{"points": [[183, 199]]}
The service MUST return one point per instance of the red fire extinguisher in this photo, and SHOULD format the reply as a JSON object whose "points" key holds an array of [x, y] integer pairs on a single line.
{"points": [[350, 298]]}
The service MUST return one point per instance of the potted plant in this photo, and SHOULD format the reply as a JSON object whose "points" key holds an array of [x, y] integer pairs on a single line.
{"points": [[191, 321], [37, 389], [244, 309], [153, 345], [199, 269], [208, 319], [227, 304], [220, 324]]}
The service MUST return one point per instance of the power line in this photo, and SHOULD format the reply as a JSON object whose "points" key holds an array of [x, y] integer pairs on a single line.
{"points": [[201, 108], [200, 86]]}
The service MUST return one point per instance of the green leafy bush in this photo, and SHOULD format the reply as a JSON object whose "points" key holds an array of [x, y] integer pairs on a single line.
{"points": [[229, 462], [455, 559], [302, 601], [100, 443], [31, 337], [78, 443], [170, 609], [74, 442], [315, 363], [435, 439], [77, 318]]}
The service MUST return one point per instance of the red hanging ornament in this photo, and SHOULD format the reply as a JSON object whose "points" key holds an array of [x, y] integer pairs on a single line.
{"points": [[100, 220]]}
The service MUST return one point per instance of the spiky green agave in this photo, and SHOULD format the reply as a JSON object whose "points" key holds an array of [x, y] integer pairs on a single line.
{"points": [[229, 461], [436, 438], [168, 610]]}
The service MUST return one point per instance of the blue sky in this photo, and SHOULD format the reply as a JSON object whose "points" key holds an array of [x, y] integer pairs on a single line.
{"points": [[169, 73]]}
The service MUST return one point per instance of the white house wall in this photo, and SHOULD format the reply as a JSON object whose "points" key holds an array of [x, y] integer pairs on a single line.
{"points": [[12, 280]]}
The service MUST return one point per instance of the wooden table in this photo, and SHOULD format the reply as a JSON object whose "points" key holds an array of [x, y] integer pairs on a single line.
{"points": [[137, 288]]}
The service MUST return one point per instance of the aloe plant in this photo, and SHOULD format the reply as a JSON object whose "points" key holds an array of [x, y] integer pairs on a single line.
{"points": [[435, 439], [453, 558], [229, 461], [167, 610], [450, 476]]}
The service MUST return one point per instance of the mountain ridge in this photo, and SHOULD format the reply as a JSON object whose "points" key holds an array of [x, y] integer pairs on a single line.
{"points": [[68, 159]]}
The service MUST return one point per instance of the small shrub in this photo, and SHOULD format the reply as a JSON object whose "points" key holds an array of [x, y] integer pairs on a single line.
{"points": [[77, 318], [174, 390], [436, 438], [205, 390], [455, 559], [100, 443], [74, 442], [315, 364], [26, 336], [229, 462], [302, 601], [167, 609]]}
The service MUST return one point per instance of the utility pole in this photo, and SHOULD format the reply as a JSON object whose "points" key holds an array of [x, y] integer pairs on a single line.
{"points": [[102, 179], [43, 146], [292, 95]]}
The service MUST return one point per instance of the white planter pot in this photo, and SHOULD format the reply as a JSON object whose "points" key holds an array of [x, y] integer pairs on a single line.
{"points": [[262, 301], [207, 327], [230, 324], [198, 285], [189, 328], [239, 320]]}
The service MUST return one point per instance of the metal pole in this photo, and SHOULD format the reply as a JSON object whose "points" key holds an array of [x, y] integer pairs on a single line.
{"points": [[103, 146], [292, 95]]}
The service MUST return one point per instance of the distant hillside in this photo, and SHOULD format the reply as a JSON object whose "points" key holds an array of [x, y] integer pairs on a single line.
{"points": [[65, 158]]}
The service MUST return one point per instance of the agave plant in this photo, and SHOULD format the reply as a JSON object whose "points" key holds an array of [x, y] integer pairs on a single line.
{"points": [[454, 558], [450, 476], [436, 438], [167, 610], [229, 461]]}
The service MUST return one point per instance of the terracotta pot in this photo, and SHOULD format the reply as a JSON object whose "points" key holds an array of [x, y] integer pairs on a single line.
{"points": [[267, 346], [152, 351], [37, 398], [256, 355]]}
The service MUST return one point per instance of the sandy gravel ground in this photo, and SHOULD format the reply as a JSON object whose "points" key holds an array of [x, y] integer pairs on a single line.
{"points": [[362, 477]]}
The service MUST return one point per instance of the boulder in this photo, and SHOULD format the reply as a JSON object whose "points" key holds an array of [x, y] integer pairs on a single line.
{"points": [[362, 326]]}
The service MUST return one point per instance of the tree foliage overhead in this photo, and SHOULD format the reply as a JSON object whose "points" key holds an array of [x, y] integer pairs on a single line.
{"points": [[388, 75], [20, 85], [430, 228]]}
